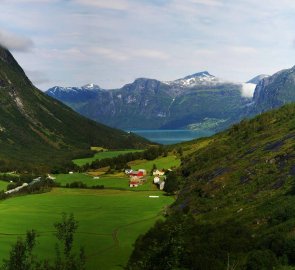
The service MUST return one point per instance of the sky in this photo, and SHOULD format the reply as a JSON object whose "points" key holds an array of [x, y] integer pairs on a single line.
{"points": [[112, 42]]}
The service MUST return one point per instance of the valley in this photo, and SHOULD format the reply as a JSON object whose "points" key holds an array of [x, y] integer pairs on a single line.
{"points": [[110, 219]]}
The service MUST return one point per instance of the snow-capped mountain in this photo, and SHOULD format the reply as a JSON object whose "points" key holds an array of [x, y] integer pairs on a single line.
{"points": [[151, 104], [258, 78], [87, 87], [203, 78], [74, 96]]}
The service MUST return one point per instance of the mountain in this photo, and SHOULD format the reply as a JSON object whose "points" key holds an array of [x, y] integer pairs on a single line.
{"points": [[258, 78], [74, 97], [235, 207], [194, 101], [274, 91], [37, 131]]}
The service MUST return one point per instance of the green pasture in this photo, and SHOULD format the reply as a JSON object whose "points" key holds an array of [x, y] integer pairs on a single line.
{"points": [[3, 185], [161, 163], [102, 155], [108, 181], [109, 221]]}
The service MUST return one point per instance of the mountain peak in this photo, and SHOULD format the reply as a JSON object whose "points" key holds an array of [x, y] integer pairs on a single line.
{"points": [[197, 79], [199, 74], [91, 86], [258, 78]]}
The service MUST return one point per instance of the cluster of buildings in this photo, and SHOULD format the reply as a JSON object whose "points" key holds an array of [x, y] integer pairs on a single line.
{"points": [[159, 178], [139, 177], [136, 177]]}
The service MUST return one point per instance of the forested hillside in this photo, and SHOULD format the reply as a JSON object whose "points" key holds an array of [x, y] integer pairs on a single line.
{"points": [[37, 131], [236, 201]]}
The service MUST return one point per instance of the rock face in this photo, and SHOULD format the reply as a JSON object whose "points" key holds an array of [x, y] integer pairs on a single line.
{"points": [[274, 91], [36, 130], [152, 104], [258, 78]]}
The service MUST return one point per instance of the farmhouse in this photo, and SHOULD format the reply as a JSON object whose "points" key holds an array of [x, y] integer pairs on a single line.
{"points": [[159, 173], [137, 173], [128, 171], [134, 181], [156, 180], [161, 185]]}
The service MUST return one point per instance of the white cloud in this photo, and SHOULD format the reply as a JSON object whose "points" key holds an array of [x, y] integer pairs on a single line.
{"points": [[110, 4], [37, 77], [153, 54], [243, 49], [248, 89], [206, 2], [15, 42], [109, 53]]}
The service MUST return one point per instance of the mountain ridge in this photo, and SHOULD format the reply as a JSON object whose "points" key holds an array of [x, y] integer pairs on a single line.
{"points": [[38, 127], [155, 104]]}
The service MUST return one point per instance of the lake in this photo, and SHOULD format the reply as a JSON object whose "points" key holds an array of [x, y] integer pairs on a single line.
{"points": [[163, 136]]}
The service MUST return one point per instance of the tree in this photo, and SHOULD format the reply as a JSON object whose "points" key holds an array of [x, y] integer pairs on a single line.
{"points": [[65, 230], [21, 256], [171, 183], [153, 168]]}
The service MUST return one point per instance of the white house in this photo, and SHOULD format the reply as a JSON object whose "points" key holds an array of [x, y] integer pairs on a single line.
{"points": [[159, 173], [128, 171], [162, 184], [156, 180]]}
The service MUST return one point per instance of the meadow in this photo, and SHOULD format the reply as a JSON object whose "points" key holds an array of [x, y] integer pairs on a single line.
{"points": [[3, 185], [102, 155], [109, 221]]}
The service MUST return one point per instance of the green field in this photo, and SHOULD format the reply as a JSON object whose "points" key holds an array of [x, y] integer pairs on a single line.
{"points": [[108, 181], [3, 185], [109, 221], [161, 163], [120, 181], [102, 155]]}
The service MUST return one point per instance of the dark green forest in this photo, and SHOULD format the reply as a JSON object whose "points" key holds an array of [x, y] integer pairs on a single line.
{"points": [[235, 207]]}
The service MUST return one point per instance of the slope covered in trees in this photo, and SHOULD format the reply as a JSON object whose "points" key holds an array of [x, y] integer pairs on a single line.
{"points": [[235, 208], [37, 131]]}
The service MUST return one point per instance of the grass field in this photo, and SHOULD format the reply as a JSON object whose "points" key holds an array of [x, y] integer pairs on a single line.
{"points": [[161, 163], [120, 182], [3, 185], [102, 155], [109, 221]]}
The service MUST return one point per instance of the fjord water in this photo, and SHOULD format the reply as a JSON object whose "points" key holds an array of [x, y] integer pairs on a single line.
{"points": [[164, 136]]}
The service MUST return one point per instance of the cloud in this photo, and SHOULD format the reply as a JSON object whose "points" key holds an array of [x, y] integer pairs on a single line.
{"points": [[248, 89], [243, 49], [37, 77], [14, 42], [206, 2], [129, 54], [109, 53], [153, 54], [110, 4]]}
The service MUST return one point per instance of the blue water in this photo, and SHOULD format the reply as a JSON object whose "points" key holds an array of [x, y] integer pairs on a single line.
{"points": [[171, 136]]}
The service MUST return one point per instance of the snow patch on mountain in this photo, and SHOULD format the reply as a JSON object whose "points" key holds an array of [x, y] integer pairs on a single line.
{"points": [[87, 87], [198, 79]]}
